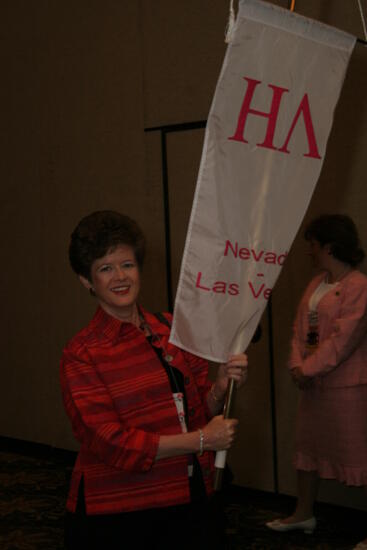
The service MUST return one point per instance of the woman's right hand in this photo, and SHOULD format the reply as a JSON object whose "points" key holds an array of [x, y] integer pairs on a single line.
{"points": [[220, 433]]}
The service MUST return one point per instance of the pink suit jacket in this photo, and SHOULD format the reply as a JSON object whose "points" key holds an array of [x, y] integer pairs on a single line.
{"points": [[341, 357]]}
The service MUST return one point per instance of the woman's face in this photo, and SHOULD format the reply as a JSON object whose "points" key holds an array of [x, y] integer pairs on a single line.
{"points": [[115, 279], [320, 255]]}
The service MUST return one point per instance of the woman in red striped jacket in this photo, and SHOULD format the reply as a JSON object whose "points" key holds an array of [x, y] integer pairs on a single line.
{"points": [[145, 415]]}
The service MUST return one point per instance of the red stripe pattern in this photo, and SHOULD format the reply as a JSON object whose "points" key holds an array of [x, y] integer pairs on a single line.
{"points": [[118, 398]]}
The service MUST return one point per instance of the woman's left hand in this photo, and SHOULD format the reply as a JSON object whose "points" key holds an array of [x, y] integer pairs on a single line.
{"points": [[235, 369]]}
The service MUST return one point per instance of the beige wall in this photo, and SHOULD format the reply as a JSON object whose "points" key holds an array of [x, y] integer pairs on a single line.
{"points": [[81, 82]]}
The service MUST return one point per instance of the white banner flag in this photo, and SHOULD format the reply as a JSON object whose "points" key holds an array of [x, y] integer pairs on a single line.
{"points": [[264, 146]]}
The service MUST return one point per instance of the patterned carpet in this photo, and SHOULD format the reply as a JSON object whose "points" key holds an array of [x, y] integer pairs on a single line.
{"points": [[33, 494]]}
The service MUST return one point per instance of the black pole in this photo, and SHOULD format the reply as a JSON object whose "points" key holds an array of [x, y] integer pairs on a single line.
{"points": [[167, 225], [272, 397], [164, 130]]}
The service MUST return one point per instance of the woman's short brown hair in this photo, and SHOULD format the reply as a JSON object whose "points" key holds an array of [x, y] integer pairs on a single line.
{"points": [[340, 233], [100, 232]]}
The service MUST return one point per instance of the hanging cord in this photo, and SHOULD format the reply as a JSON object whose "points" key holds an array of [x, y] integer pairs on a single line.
{"points": [[230, 24], [232, 19], [363, 19]]}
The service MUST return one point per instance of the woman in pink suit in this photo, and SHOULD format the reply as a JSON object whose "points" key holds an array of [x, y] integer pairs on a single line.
{"points": [[328, 362]]}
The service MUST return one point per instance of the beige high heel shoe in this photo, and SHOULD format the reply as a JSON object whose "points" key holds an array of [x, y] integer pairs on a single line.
{"points": [[307, 526]]}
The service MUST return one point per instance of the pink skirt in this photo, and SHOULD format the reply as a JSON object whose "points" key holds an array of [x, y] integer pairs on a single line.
{"points": [[331, 434]]}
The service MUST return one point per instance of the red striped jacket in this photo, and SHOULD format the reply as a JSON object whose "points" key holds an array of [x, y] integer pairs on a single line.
{"points": [[118, 398]]}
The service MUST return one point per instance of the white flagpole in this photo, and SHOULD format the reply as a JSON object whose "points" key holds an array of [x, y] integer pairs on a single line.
{"points": [[221, 456]]}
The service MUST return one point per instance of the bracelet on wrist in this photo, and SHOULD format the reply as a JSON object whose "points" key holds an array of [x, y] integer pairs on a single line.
{"points": [[201, 442], [217, 399]]}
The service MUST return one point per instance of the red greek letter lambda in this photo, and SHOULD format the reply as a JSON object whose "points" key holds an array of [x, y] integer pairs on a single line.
{"points": [[304, 108]]}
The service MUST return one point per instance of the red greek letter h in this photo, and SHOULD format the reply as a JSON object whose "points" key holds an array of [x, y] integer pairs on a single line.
{"points": [[246, 110]]}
